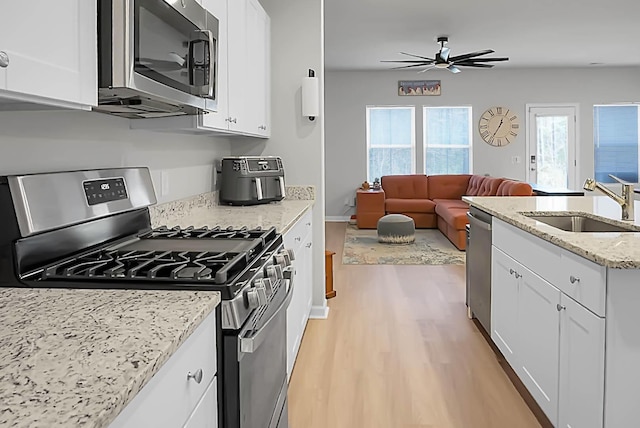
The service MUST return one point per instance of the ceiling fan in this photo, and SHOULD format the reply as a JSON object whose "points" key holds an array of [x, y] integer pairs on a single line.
{"points": [[444, 60]]}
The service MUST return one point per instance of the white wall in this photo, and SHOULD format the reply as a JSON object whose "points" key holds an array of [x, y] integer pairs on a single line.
{"points": [[66, 140], [348, 93], [296, 46]]}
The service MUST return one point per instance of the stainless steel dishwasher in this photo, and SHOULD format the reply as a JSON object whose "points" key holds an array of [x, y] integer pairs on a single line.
{"points": [[479, 267]]}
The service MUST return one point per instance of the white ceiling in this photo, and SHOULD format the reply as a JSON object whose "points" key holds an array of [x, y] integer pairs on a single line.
{"points": [[532, 33]]}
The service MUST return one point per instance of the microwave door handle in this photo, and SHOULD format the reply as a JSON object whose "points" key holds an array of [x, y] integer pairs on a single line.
{"points": [[258, 188], [209, 88], [281, 180]]}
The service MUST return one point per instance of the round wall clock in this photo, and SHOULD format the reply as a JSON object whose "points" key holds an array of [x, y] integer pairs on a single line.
{"points": [[498, 126]]}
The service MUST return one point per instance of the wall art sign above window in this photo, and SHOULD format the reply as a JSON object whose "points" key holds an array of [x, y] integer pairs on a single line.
{"points": [[418, 87]]}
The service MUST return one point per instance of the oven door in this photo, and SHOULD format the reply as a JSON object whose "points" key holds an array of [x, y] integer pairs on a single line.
{"points": [[260, 370]]}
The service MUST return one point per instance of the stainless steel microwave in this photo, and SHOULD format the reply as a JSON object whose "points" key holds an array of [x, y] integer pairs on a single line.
{"points": [[156, 58]]}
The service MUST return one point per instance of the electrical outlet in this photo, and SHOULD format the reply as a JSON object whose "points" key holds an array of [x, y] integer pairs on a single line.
{"points": [[352, 202], [346, 202], [164, 191]]}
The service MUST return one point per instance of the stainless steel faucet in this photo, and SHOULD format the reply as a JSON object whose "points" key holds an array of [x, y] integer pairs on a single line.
{"points": [[625, 200]]}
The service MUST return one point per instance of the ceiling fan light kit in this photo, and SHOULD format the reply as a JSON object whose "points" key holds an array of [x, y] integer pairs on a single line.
{"points": [[443, 59]]}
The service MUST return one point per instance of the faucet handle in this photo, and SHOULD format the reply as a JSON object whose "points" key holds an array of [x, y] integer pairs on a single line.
{"points": [[619, 180]]}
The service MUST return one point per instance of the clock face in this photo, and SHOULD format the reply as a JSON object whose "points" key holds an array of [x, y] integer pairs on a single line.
{"points": [[498, 126]]}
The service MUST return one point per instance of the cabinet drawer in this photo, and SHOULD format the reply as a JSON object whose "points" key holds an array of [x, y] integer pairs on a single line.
{"points": [[170, 397], [535, 253], [206, 413], [294, 237], [584, 281]]}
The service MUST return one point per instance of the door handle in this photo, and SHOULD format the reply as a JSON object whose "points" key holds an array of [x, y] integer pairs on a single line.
{"points": [[258, 188]]}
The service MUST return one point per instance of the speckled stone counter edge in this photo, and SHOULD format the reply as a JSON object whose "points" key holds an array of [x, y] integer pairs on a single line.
{"points": [[165, 213]]}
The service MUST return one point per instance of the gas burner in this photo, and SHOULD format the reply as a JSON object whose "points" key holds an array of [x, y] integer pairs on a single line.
{"points": [[186, 266], [204, 232]]}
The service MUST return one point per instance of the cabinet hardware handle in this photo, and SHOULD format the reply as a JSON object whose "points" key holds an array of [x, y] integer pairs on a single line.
{"points": [[574, 279], [297, 238], [308, 245], [235, 120], [518, 275], [511, 271], [4, 59], [309, 224], [559, 307], [197, 376]]}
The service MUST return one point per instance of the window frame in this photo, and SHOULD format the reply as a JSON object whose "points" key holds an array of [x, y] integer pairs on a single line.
{"points": [[447, 146], [369, 108]]}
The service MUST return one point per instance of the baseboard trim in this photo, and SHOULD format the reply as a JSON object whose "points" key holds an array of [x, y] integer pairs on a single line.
{"points": [[319, 312], [337, 218]]}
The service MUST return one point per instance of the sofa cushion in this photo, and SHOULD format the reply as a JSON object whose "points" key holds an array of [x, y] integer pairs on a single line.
{"points": [[449, 186], [489, 186], [474, 185], [452, 203], [396, 205], [454, 217], [412, 186], [514, 188]]}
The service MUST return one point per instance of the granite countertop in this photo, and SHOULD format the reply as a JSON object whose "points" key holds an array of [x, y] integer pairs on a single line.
{"points": [[77, 357], [282, 215], [619, 250]]}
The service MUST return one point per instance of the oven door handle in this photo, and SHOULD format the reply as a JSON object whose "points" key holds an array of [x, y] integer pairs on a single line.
{"points": [[249, 345]]}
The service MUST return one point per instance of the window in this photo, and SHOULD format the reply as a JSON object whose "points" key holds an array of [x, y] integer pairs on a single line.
{"points": [[616, 140], [390, 141], [447, 140]]}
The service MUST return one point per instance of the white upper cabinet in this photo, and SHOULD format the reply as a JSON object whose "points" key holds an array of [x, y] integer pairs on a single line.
{"points": [[48, 53], [243, 76]]}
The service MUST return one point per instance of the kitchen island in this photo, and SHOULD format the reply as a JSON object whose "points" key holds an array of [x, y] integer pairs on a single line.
{"points": [[564, 306], [78, 357]]}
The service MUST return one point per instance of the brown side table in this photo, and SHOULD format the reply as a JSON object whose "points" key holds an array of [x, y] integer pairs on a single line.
{"points": [[369, 208]]}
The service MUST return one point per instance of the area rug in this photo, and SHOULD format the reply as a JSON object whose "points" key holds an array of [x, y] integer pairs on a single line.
{"points": [[361, 247]]}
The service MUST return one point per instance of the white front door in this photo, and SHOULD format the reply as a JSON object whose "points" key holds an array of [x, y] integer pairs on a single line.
{"points": [[552, 154]]}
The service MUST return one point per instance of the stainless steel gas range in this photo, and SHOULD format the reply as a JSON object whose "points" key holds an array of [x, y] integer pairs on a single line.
{"points": [[92, 229]]}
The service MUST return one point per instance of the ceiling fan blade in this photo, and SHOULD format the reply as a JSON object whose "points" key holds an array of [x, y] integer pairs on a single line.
{"points": [[418, 56], [469, 55], [409, 61], [444, 53], [452, 68], [410, 66], [429, 67], [483, 60], [473, 64]]}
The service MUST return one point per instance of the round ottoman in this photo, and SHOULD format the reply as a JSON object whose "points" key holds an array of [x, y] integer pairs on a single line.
{"points": [[396, 229]]}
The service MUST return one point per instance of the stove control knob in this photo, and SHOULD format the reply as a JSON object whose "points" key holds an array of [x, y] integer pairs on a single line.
{"points": [[281, 260], [263, 284], [262, 293], [252, 298], [256, 297], [268, 284], [290, 252], [274, 272]]}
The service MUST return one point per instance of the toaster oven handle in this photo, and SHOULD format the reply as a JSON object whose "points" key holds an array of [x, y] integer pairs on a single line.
{"points": [[258, 182], [281, 180]]}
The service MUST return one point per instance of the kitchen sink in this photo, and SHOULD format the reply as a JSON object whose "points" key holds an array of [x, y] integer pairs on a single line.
{"points": [[581, 223]]}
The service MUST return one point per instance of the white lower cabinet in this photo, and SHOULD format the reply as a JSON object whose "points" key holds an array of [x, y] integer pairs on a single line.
{"points": [[183, 391], [299, 238], [581, 366], [555, 344]]}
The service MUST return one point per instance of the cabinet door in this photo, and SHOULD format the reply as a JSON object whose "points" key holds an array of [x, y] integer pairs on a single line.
{"points": [[538, 326], [581, 367], [52, 50], [504, 304], [239, 79], [219, 119], [258, 63]]}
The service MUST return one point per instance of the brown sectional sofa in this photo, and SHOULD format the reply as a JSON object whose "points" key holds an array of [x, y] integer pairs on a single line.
{"points": [[436, 200]]}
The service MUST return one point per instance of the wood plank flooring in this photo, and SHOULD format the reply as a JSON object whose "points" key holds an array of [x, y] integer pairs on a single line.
{"points": [[398, 351]]}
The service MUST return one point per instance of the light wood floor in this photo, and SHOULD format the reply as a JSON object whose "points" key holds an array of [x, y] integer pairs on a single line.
{"points": [[398, 351]]}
